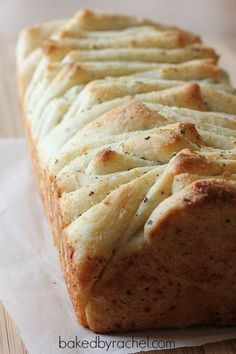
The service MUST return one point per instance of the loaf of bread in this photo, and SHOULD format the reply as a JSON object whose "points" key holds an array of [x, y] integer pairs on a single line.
{"points": [[132, 130]]}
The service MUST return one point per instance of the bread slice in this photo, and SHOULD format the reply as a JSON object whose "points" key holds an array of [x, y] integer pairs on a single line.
{"points": [[132, 130]]}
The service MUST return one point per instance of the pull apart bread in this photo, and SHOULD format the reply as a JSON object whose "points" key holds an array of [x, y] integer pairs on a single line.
{"points": [[132, 130]]}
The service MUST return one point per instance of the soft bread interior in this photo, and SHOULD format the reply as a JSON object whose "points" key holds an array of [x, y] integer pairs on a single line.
{"points": [[132, 128]]}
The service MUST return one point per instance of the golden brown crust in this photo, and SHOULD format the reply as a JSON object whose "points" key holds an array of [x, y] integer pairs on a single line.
{"points": [[140, 190], [187, 257]]}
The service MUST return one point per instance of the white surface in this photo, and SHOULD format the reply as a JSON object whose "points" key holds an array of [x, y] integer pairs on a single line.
{"points": [[31, 284]]}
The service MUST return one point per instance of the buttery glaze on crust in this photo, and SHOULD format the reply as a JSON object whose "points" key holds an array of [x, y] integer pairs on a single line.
{"points": [[132, 131]]}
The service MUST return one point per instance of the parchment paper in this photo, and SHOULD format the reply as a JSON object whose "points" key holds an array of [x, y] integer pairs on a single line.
{"points": [[31, 283]]}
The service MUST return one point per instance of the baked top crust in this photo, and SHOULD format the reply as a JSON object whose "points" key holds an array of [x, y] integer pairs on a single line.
{"points": [[133, 127]]}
